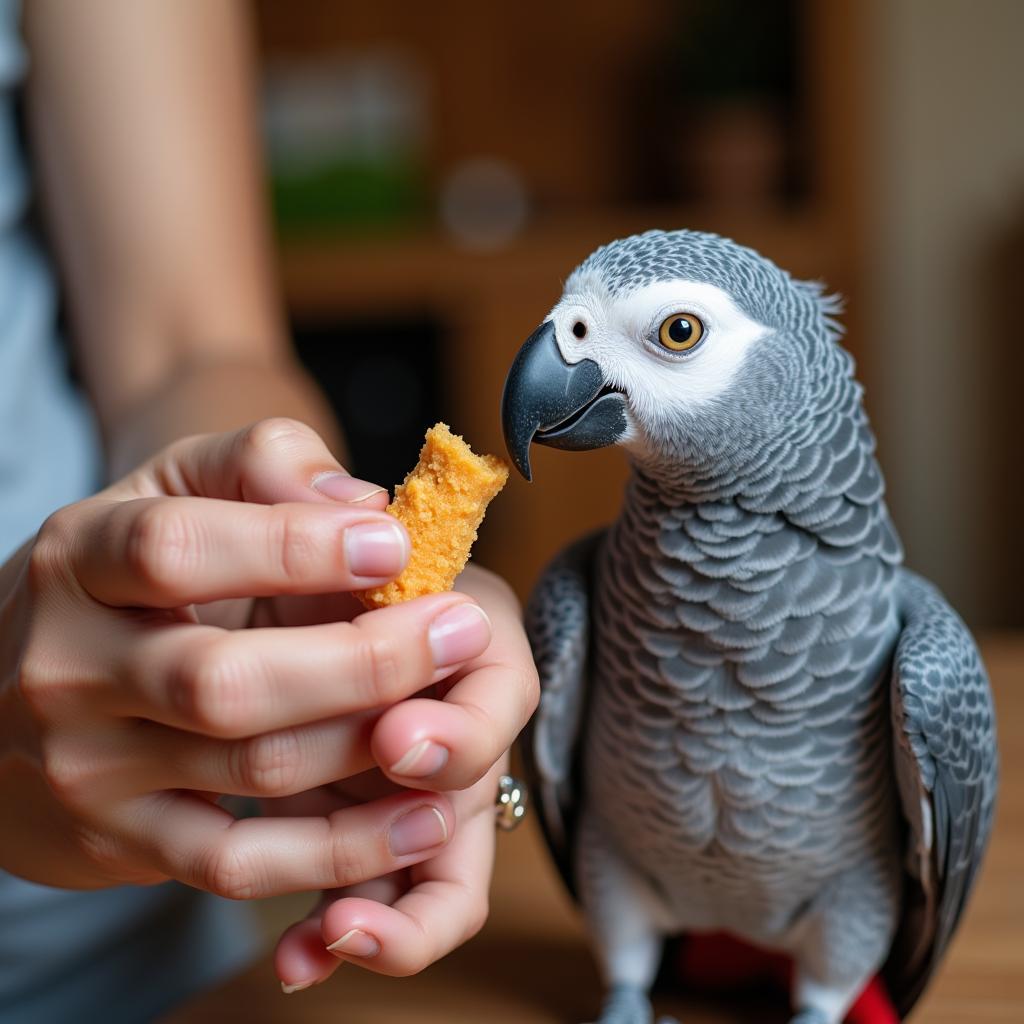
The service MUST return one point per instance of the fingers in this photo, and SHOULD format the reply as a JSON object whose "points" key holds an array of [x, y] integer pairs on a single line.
{"points": [[247, 682], [301, 959], [98, 767], [271, 765], [169, 552], [274, 460], [446, 905], [450, 744], [200, 844]]}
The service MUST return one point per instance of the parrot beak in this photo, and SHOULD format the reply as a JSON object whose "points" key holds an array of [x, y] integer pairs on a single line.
{"points": [[556, 403]]}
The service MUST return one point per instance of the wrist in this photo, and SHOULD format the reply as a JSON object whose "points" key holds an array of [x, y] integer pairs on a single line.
{"points": [[211, 396]]}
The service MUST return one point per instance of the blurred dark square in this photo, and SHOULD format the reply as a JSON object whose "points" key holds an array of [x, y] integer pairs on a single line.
{"points": [[382, 379]]}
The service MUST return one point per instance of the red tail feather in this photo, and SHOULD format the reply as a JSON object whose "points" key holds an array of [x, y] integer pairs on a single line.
{"points": [[719, 961]]}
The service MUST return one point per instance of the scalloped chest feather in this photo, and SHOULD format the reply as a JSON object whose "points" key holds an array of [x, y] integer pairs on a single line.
{"points": [[748, 707]]}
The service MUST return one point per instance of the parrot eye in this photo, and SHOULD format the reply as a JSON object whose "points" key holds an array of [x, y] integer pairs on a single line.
{"points": [[680, 332], [579, 329]]}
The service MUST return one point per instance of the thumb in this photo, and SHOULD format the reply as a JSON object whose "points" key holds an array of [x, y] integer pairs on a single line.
{"points": [[268, 462]]}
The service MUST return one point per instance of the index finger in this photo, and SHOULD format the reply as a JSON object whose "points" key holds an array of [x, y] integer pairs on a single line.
{"points": [[169, 552], [238, 683]]}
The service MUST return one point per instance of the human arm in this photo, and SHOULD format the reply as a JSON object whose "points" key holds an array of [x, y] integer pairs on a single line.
{"points": [[143, 129], [158, 226]]}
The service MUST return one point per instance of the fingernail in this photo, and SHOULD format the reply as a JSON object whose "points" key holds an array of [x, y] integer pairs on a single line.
{"points": [[419, 830], [376, 550], [342, 487], [422, 759], [458, 634], [355, 943], [298, 986]]}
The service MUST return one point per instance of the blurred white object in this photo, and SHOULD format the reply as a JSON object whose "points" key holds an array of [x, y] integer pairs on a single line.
{"points": [[363, 106], [484, 203]]}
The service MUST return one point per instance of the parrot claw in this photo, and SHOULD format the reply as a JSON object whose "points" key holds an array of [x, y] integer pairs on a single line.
{"points": [[625, 1004]]}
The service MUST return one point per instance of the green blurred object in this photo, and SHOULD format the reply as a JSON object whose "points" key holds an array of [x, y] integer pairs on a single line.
{"points": [[346, 136], [349, 196]]}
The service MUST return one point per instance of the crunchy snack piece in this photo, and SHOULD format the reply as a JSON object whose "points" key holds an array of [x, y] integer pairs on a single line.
{"points": [[441, 503]]}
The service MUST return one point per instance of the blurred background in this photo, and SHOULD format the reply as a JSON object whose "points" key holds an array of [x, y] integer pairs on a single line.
{"points": [[437, 170]]}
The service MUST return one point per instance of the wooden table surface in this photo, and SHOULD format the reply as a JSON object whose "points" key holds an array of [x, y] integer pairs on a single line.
{"points": [[531, 965]]}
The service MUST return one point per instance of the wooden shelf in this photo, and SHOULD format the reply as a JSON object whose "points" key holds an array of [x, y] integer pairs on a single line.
{"points": [[425, 268], [487, 304]]}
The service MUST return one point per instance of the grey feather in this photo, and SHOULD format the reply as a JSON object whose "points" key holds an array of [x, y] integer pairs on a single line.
{"points": [[944, 727], [558, 626]]}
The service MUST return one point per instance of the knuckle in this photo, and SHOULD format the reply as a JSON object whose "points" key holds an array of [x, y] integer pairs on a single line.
{"points": [[269, 765], [378, 670], [349, 863], [49, 554], [477, 917], [227, 871], [272, 435], [417, 956], [50, 683], [211, 689], [160, 546], [66, 775], [37, 681], [479, 758], [102, 851], [296, 547]]}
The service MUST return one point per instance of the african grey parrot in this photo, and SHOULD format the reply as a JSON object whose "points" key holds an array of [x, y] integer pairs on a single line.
{"points": [[753, 720]]}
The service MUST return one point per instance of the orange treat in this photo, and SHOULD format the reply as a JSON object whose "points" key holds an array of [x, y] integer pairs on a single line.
{"points": [[441, 504]]}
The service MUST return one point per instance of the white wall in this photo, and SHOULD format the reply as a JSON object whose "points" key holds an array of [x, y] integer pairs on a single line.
{"points": [[946, 167]]}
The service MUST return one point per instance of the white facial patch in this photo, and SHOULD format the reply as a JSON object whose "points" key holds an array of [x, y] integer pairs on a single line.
{"points": [[622, 338]]}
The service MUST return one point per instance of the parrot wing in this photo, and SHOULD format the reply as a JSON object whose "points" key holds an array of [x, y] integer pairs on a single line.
{"points": [[558, 625], [945, 760]]}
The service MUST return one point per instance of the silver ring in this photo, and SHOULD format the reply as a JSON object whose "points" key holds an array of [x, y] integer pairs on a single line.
{"points": [[510, 803]]}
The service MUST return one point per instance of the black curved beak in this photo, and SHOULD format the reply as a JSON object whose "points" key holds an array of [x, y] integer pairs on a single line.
{"points": [[556, 403]]}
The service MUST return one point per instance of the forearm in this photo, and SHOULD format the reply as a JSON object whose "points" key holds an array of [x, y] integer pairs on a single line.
{"points": [[145, 132], [206, 396]]}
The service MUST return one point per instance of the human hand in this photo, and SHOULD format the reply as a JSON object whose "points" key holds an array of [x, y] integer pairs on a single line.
{"points": [[400, 923], [125, 711]]}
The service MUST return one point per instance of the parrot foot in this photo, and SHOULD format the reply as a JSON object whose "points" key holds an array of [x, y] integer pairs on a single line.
{"points": [[809, 1017], [626, 1004]]}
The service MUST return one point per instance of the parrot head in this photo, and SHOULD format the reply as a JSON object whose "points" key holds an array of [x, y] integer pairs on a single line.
{"points": [[690, 351]]}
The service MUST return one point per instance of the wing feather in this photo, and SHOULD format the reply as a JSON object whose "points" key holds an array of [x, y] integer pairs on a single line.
{"points": [[946, 768], [558, 625]]}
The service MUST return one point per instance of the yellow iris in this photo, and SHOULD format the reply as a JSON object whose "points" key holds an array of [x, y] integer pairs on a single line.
{"points": [[680, 332]]}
